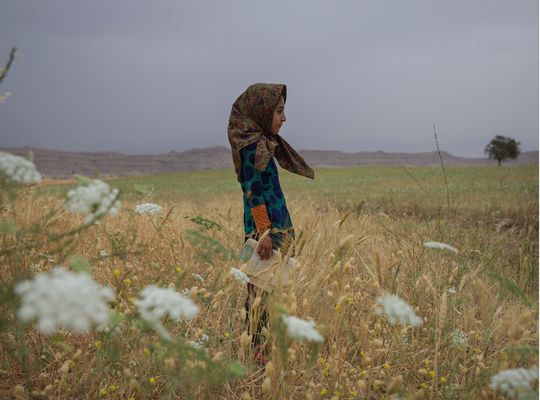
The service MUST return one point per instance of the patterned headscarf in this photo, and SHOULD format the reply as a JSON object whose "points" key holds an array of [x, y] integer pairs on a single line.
{"points": [[250, 121]]}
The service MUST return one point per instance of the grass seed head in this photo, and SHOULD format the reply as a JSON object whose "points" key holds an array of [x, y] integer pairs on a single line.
{"points": [[267, 385], [245, 339], [395, 384]]}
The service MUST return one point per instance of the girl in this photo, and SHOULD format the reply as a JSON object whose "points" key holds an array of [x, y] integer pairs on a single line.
{"points": [[256, 118]]}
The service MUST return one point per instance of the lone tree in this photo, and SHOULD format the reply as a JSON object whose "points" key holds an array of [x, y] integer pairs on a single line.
{"points": [[501, 148]]}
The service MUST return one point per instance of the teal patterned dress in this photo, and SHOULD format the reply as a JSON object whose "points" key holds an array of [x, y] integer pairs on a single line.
{"points": [[265, 189]]}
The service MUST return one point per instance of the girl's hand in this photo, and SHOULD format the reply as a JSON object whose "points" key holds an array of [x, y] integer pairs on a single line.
{"points": [[264, 248]]}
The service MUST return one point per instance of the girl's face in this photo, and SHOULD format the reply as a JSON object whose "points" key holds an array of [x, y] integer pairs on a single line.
{"points": [[279, 116]]}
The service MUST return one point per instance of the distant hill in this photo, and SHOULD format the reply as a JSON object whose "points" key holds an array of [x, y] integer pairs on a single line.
{"points": [[63, 164]]}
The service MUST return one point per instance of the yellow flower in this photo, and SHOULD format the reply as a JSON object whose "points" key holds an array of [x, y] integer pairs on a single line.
{"points": [[431, 373], [179, 270], [127, 282], [152, 381], [324, 392], [424, 385], [338, 308], [443, 379], [226, 334], [146, 351], [112, 388], [97, 343], [102, 392], [117, 272], [386, 366]]}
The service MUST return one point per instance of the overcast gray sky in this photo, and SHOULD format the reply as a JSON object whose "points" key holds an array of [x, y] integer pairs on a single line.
{"points": [[161, 75]]}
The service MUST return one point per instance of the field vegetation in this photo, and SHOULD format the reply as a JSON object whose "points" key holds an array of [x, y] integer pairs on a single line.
{"points": [[361, 234]]}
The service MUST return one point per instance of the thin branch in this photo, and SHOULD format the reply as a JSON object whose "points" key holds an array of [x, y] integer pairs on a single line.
{"points": [[8, 65], [442, 165]]}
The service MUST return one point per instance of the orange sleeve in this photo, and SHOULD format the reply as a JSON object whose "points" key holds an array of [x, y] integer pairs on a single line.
{"points": [[260, 215]]}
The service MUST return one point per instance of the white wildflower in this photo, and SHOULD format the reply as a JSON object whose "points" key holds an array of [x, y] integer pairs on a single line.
{"points": [[156, 303], [103, 253], [18, 169], [458, 338], [197, 277], [239, 275], [515, 382], [63, 299], [397, 311], [147, 208], [94, 199], [451, 290], [302, 330], [441, 246]]}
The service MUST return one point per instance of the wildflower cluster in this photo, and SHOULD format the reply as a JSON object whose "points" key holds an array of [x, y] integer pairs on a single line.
{"points": [[93, 199], [301, 330], [18, 169], [148, 208], [516, 382], [155, 303], [397, 311], [458, 338], [63, 299], [239, 275]]}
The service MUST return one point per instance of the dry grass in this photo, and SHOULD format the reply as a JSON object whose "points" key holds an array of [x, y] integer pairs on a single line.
{"points": [[348, 256]]}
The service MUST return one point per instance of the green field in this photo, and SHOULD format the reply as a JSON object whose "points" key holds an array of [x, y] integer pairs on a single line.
{"points": [[471, 188]]}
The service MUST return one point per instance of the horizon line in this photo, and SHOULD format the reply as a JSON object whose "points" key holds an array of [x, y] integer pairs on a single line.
{"points": [[228, 148]]}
